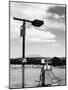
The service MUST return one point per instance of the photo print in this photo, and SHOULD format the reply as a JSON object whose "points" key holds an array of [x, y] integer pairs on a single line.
{"points": [[37, 44]]}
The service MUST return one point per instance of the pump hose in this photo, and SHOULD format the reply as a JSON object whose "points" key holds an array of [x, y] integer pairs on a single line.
{"points": [[55, 77]]}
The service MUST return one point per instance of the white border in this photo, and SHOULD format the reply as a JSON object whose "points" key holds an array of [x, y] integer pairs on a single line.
{"points": [[4, 43]]}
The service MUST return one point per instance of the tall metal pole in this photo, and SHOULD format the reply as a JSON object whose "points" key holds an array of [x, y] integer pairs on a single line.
{"points": [[23, 53]]}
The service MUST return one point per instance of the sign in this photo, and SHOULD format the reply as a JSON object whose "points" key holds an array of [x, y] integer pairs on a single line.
{"points": [[43, 61], [22, 31]]}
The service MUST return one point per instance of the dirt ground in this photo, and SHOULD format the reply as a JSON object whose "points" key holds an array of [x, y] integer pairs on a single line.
{"points": [[32, 76]]}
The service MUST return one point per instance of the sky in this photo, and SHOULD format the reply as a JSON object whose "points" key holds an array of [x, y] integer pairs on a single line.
{"points": [[47, 40]]}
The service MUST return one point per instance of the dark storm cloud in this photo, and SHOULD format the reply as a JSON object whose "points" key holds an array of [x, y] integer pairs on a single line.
{"points": [[60, 10]]}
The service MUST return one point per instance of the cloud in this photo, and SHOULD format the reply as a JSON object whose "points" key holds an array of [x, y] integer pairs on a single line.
{"points": [[60, 10], [32, 34], [35, 35], [52, 24], [55, 44], [28, 10], [56, 18], [50, 33], [14, 28], [31, 11]]}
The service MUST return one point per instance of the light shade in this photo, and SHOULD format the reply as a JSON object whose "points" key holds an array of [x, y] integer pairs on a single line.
{"points": [[37, 23]]}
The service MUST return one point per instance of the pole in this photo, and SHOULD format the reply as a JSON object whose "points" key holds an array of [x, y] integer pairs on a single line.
{"points": [[43, 73], [36, 23], [47, 65], [43, 76], [23, 54]]}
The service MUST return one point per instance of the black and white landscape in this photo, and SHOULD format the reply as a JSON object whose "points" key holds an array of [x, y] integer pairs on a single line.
{"points": [[45, 42]]}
